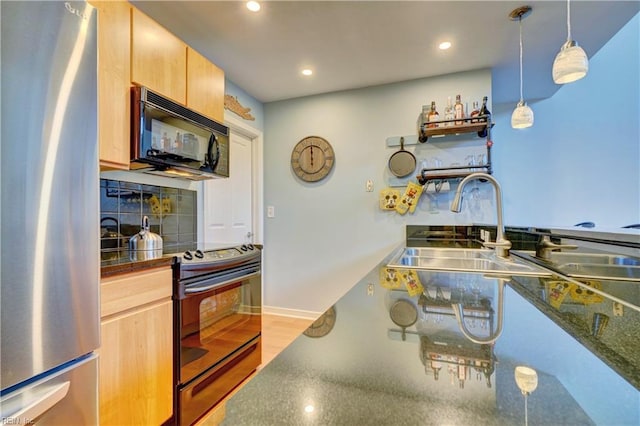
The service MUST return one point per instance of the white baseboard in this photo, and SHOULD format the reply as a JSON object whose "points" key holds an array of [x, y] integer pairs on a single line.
{"points": [[296, 313]]}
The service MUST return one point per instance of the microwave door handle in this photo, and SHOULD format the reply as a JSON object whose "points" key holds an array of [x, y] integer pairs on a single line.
{"points": [[211, 158]]}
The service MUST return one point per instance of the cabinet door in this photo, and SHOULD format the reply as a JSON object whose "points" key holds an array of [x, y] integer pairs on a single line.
{"points": [[136, 371], [114, 82], [205, 86], [136, 355], [158, 58]]}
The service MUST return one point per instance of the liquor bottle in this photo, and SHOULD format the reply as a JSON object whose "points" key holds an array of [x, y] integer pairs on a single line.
{"points": [[177, 148], [433, 115], [458, 111], [486, 114], [436, 366], [448, 112], [475, 112], [165, 142], [484, 110], [425, 114]]}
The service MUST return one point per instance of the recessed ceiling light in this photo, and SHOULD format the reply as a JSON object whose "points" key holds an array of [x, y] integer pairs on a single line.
{"points": [[444, 45], [253, 6], [307, 71]]}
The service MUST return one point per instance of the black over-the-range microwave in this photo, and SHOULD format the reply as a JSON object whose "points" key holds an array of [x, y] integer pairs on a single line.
{"points": [[171, 140]]}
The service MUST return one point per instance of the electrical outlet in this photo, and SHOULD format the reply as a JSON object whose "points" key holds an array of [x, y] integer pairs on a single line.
{"points": [[369, 185], [618, 309], [370, 289], [271, 211]]}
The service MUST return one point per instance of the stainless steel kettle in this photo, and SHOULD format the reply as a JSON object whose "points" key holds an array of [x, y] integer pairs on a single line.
{"points": [[145, 244]]}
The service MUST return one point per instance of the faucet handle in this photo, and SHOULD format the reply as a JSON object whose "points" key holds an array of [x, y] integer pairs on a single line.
{"points": [[545, 247], [502, 247], [491, 244]]}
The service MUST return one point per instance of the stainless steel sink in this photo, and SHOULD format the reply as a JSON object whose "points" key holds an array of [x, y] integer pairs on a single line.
{"points": [[600, 266], [446, 253], [594, 259], [462, 260]]}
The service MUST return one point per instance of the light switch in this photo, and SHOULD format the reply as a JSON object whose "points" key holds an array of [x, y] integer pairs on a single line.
{"points": [[370, 289], [369, 185], [271, 211]]}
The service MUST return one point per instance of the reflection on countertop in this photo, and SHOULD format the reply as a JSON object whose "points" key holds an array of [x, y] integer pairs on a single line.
{"points": [[124, 261], [364, 372], [608, 329]]}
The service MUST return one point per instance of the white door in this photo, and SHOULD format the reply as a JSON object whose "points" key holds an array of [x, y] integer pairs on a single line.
{"points": [[228, 207]]}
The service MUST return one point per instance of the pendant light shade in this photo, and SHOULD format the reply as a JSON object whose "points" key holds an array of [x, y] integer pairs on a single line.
{"points": [[571, 62], [522, 116]]}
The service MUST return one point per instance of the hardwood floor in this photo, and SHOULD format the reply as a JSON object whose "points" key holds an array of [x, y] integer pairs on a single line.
{"points": [[277, 333]]}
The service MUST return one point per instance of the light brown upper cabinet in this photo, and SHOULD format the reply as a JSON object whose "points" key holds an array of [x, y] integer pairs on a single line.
{"points": [[158, 58], [205, 86], [134, 49], [114, 82]]}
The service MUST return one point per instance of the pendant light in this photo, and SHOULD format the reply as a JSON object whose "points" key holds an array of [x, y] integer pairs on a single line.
{"points": [[522, 116], [571, 62], [527, 381]]}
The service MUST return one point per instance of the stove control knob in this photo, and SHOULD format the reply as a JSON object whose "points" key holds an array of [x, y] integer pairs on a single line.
{"points": [[250, 246], [199, 254], [187, 255], [244, 247]]}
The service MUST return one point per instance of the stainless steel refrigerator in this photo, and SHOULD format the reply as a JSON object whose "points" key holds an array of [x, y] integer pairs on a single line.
{"points": [[49, 287]]}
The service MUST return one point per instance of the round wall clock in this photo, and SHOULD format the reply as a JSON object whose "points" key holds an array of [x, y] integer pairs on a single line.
{"points": [[312, 158], [323, 325]]}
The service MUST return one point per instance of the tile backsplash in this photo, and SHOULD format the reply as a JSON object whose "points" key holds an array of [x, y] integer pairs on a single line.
{"points": [[172, 214]]}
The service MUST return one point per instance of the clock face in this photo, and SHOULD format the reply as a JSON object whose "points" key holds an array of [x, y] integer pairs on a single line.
{"points": [[323, 325], [312, 158]]}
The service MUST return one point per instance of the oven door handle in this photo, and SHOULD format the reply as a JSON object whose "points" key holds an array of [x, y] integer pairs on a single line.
{"points": [[221, 280]]}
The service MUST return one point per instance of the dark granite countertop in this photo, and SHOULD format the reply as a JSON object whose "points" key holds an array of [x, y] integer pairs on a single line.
{"points": [[619, 344], [362, 372], [121, 262]]}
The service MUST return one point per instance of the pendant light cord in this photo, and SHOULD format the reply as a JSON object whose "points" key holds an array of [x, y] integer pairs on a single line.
{"points": [[521, 97], [568, 21]]}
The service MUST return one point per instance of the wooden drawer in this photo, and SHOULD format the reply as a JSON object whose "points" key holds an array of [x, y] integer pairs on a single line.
{"points": [[121, 293]]}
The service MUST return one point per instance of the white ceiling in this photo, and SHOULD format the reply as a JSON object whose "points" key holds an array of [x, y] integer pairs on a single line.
{"points": [[353, 44]]}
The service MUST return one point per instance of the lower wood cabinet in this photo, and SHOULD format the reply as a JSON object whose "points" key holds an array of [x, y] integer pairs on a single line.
{"points": [[136, 354]]}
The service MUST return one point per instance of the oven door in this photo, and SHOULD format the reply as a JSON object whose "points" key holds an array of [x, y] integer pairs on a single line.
{"points": [[218, 317], [207, 390]]}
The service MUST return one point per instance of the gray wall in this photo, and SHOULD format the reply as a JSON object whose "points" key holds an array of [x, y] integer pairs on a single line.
{"points": [[326, 235]]}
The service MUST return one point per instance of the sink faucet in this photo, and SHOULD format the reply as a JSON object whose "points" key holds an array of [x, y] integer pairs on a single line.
{"points": [[502, 245], [458, 310]]}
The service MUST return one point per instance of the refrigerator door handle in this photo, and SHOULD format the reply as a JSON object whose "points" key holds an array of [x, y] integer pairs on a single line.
{"points": [[41, 405]]}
